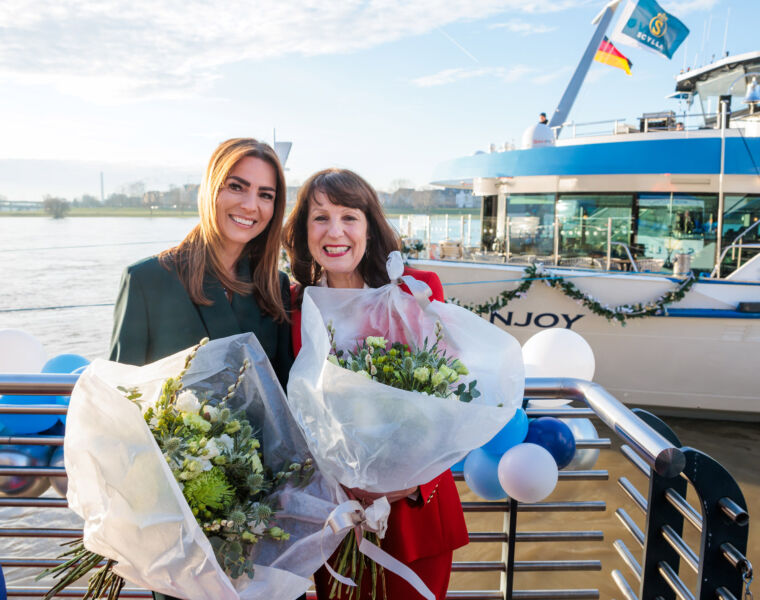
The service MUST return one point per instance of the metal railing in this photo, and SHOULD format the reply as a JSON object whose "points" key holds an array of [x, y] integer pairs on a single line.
{"points": [[650, 446]]}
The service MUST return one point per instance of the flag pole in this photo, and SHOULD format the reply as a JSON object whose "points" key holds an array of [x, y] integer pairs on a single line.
{"points": [[602, 22]]}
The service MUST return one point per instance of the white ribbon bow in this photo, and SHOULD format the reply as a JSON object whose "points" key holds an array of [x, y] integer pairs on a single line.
{"points": [[420, 290], [351, 515]]}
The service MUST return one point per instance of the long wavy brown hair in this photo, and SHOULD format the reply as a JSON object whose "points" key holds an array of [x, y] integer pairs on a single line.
{"points": [[201, 250], [344, 188]]}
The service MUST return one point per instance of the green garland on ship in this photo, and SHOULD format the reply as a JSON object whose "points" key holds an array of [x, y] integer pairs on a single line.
{"points": [[619, 314]]}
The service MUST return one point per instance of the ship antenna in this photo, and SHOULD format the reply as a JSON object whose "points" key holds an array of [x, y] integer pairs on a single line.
{"points": [[725, 34]]}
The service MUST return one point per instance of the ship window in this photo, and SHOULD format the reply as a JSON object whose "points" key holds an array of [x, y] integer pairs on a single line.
{"points": [[671, 223], [740, 214], [583, 222], [531, 224]]}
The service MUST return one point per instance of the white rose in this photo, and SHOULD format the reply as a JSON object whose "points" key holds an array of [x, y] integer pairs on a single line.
{"points": [[187, 401], [212, 412], [212, 449], [226, 441]]}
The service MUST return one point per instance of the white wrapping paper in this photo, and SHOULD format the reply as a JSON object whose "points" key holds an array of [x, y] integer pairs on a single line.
{"points": [[134, 511], [372, 436]]}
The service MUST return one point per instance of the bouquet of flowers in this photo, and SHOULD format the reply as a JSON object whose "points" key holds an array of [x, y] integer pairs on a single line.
{"points": [[425, 370], [365, 405], [182, 495], [370, 435]]}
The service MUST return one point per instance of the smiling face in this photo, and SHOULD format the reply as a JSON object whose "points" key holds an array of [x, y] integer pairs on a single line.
{"points": [[337, 237], [245, 204]]}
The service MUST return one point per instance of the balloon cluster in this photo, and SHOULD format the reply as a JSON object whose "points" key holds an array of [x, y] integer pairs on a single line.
{"points": [[22, 353], [523, 460]]}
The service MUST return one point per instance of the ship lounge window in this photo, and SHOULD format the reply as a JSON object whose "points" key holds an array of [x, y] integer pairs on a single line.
{"points": [[584, 220], [740, 214], [668, 224], [531, 224]]}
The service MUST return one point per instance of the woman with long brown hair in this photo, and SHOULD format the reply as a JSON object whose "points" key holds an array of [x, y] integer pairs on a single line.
{"points": [[222, 279], [337, 236]]}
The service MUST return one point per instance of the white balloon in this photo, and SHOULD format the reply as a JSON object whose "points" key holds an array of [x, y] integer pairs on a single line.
{"points": [[20, 352], [557, 353], [528, 473], [584, 459]]}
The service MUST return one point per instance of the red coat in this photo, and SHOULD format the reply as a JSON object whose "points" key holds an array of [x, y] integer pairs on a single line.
{"points": [[433, 525]]}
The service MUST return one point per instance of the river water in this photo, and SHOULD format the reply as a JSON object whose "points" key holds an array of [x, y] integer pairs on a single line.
{"points": [[59, 279]]}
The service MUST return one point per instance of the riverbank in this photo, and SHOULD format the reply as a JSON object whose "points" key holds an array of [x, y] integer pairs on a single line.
{"points": [[140, 211]]}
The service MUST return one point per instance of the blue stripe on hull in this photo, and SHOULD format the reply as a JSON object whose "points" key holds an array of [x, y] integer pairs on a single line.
{"points": [[675, 156]]}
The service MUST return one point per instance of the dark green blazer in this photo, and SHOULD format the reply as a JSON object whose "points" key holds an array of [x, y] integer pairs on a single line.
{"points": [[154, 317]]}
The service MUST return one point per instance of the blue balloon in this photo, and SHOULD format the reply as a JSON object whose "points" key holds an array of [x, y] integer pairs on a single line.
{"points": [[457, 468], [65, 363], [22, 424], [481, 472], [511, 434], [555, 436]]}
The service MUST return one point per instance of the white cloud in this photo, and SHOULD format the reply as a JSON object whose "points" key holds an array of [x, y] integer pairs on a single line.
{"points": [[448, 76], [523, 27], [145, 48]]}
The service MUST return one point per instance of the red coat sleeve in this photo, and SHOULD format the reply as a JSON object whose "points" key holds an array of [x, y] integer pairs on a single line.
{"points": [[295, 318]]}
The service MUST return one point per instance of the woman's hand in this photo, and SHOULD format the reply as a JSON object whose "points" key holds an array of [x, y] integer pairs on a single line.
{"points": [[366, 498]]}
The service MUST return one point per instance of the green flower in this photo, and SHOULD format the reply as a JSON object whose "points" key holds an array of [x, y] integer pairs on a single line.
{"points": [[377, 341], [459, 367], [422, 374], [278, 534], [437, 378], [232, 427], [210, 490], [196, 422], [333, 359]]}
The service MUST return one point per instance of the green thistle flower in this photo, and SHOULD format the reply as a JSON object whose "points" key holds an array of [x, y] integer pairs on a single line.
{"points": [[210, 489], [422, 374]]}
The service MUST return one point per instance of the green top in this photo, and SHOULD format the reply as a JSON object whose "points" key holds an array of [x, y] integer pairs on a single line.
{"points": [[154, 317]]}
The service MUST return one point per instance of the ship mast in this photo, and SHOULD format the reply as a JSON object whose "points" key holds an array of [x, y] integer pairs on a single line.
{"points": [[602, 21]]}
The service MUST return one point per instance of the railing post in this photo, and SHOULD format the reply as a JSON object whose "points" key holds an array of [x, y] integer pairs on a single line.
{"points": [[724, 522], [609, 243], [556, 241], [508, 248], [469, 230]]}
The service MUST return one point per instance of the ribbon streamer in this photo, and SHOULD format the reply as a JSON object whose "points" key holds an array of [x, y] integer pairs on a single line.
{"points": [[350, 515], [420, 290]]}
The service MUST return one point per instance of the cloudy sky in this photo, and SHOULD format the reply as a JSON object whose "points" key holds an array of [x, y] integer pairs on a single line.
{"points": [[388, 88]]}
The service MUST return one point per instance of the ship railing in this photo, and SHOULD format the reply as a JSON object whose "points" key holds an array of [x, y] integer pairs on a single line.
{"points": [[652, 122], [736, 245], [654, 561]]}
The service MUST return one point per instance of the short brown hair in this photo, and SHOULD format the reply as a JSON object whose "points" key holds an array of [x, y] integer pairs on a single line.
{"points": [[200, 251], [344, 188]]}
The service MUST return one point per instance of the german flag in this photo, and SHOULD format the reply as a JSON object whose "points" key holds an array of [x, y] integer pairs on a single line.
{"points": [[609, 55]]}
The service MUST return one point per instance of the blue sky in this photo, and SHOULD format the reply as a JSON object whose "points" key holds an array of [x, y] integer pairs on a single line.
{"points": [[384, 87]]}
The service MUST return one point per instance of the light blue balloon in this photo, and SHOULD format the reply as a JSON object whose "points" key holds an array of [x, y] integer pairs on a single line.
{"points": [[457, 468], [511, 434], [23, 424], [481, 472], [65, 363]]}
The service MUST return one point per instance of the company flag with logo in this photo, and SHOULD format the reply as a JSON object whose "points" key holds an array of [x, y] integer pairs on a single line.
{"points": [[609, 55], [644, 24]]}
